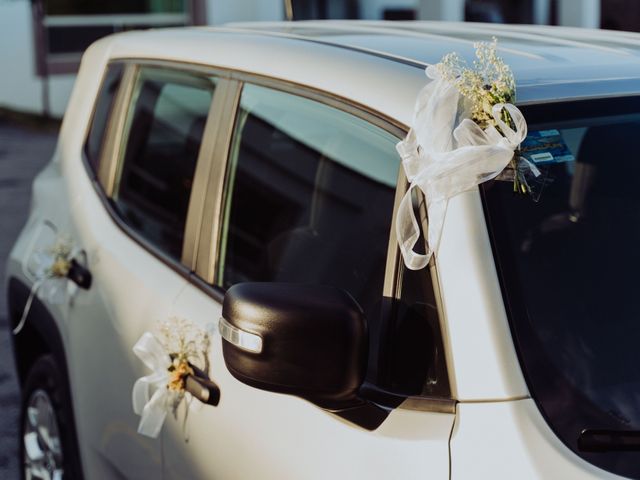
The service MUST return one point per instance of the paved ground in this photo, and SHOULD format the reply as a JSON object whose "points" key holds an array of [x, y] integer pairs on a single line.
{"points": [[24, 150]]}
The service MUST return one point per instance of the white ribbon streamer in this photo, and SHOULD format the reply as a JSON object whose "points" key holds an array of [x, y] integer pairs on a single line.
{"points": [[447, 153], [152, 408], [46, 286], [27, 306]]}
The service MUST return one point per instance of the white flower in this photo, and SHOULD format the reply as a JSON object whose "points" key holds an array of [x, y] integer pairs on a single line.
{"points": [[488, 83]]}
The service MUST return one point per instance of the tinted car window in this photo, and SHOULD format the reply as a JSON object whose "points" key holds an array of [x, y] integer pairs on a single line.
{"points": [[166, 122], [309, 197], [569, 262], [101, 114]]}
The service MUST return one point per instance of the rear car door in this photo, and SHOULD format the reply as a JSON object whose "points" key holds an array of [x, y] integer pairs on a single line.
{"points": [[133, 229], [302, 190]]}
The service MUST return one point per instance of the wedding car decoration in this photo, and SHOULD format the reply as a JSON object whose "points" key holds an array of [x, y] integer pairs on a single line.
{"points": [[465, 131], [172, 353], [52, 267]]}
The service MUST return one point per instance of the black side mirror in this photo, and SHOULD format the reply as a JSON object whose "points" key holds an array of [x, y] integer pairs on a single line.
{"points": [[306, 340]]}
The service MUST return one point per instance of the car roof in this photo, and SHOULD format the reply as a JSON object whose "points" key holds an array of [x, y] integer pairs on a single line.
{"points": [[538, 55], [357, 59]]}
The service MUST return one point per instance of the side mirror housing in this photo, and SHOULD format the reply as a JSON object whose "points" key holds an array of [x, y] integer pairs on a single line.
{"points": [[305, 340]]}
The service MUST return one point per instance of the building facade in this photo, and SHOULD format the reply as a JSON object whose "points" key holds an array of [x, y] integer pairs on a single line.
{"points": [[42, 40]]}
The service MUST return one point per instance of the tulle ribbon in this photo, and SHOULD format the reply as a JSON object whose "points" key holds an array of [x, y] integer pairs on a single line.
{"points": [[446, 153], [152, 408], [46, 286]]}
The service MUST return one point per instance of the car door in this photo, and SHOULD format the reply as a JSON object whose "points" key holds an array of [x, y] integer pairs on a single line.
{"points": [[307, 196], [134, 232]]}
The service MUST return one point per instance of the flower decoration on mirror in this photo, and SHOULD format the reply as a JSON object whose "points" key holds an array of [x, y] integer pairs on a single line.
{"points": [[176, 350], [465, 131], [51, 268]]}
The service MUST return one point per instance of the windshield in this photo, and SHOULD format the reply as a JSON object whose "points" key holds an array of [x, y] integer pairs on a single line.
{"points": [[569, 262]]}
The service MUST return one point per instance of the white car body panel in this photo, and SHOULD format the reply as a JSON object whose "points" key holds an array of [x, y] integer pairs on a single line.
{"points": [[512, 440], [101, 329], [482, 352]]}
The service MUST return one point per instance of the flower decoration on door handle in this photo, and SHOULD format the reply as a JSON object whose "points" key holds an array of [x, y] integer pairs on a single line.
{"points": [[53, 267], [177, 355], [465, 131]]}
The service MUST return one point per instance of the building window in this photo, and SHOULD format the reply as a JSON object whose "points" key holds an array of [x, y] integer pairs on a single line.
{"points": [[65, 28]]}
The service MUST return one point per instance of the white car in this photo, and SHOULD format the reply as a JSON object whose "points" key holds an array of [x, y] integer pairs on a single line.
{"points": [[259, 162]]}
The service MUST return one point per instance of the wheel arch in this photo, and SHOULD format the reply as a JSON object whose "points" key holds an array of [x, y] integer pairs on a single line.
{"points": [[40, 334]]}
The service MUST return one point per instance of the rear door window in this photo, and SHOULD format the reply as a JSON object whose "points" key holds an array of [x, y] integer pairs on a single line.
{"points": [[165, 128]]}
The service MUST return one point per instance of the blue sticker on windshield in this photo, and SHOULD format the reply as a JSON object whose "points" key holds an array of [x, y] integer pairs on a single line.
{"points": [[543, 147]]}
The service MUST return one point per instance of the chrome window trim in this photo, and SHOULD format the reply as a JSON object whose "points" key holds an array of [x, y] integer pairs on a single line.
{"points": [[327, 98], [209, 237], [115, 128], [392, 279], [341, 103], [429, 404], [202, 175]]}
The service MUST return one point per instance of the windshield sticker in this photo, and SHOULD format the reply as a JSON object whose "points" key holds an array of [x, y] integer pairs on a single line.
{"points": [[544, 147]]}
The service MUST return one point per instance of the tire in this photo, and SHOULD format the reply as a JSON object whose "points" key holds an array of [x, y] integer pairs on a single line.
{"points": [[47, 439]]}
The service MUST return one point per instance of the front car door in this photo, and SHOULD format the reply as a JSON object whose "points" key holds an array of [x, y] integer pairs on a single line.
{"points": [[307, 196]]}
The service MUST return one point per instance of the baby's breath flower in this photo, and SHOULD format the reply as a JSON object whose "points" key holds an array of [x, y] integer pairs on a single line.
{"points": [[185, 342], [452, 66], [62, 247], [489, 82], [61, 254]]}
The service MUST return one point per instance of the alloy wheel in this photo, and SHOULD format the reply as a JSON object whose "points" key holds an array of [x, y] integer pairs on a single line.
{"points": [[42, 452]]}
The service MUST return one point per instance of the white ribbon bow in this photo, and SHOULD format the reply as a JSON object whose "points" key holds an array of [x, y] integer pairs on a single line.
{"points": [[53, 289], [46, 286], [447, 153], [152, 408]]}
